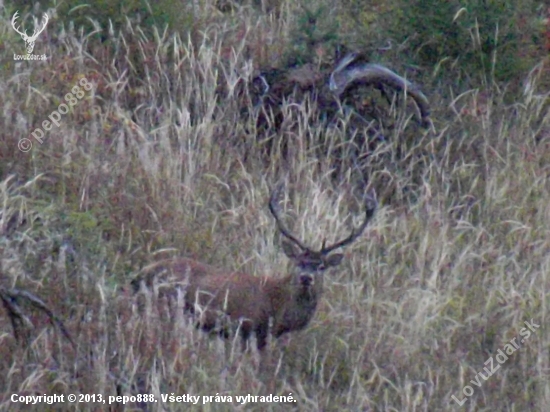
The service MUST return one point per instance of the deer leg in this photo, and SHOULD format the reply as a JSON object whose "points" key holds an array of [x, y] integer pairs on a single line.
{"points": [[245, 336], [261, 336]]}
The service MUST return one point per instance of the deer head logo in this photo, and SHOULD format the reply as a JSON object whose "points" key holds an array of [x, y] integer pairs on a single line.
{"points": [[29, 40]]}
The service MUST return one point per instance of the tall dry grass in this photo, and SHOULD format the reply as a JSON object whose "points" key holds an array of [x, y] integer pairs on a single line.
{"points": [[154, 163]]}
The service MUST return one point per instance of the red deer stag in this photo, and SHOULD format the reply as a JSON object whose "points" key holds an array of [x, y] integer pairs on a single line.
{"points": [[257, 303]]}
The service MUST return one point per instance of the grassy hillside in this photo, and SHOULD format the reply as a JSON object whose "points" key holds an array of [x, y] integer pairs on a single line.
{"points": [[155, 157]]}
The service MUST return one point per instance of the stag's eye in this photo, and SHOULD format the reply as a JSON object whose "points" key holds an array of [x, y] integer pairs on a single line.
{"points": [[312, 267]]}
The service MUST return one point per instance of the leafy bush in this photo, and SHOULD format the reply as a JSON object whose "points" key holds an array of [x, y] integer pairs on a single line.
{"points": [[472, 37]]}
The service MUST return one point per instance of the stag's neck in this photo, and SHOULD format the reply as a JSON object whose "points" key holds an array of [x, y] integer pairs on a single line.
{"points": [[293, 306]]}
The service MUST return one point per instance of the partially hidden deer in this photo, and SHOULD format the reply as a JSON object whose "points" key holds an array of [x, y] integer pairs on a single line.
{"points": [[257, 304]]}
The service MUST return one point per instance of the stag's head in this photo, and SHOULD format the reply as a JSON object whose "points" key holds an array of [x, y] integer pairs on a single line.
{"points": [[29, 40], [309, 262]]}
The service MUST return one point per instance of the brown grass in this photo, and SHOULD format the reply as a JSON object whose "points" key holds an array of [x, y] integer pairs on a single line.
{"points": [[150, 164]]}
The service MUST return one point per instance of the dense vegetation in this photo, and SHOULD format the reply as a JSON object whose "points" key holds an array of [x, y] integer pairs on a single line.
{"points": [[156, 157]]}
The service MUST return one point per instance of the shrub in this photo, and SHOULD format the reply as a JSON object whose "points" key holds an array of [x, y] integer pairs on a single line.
{"points": [[485, 39]]}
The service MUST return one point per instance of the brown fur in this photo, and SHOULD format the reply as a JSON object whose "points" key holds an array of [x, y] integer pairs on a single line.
{"points": [[220, 300], [249, 301]]}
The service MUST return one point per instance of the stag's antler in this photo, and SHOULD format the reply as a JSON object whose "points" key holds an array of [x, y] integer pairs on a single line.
{"points": [[345, 75], [370, 207], [273, 209]]}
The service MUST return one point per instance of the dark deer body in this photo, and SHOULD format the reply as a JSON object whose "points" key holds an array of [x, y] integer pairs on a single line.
{"points": [[219, 299]]}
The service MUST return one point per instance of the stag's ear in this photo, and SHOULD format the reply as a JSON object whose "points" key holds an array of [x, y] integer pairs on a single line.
{"points": [[290, 249], [333, 260]]}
